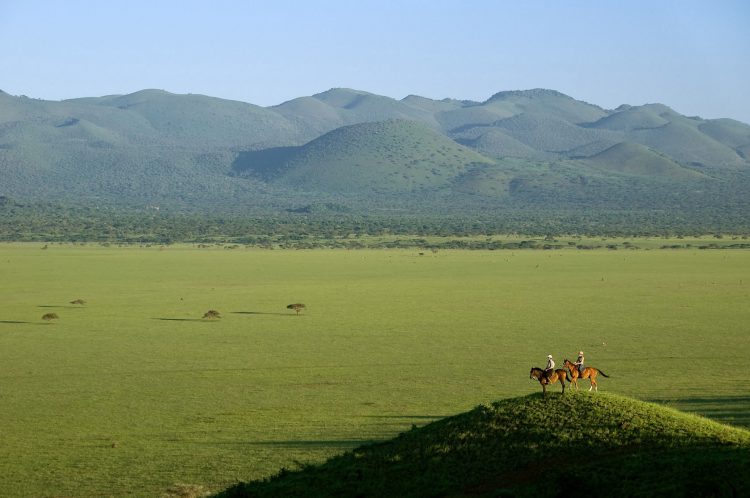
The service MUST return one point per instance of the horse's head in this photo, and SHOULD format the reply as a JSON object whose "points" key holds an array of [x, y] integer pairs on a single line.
{"points": [[534, 373]]}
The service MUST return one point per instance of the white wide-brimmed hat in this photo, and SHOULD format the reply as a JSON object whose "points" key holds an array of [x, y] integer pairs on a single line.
{"points": [[580, 352], [549, 356]]}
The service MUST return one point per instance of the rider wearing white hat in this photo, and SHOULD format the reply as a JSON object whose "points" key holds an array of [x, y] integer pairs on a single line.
{"points": [[550, 366], [579, 361]]}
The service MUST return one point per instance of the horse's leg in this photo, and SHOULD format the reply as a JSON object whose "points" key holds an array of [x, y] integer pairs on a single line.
{"points": [[592, 378]]}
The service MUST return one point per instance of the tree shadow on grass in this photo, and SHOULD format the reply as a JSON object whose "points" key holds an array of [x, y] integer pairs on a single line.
{"points": [[261, 313], [342, 444], [408, 417], [13, 321], [185, 320], [61, 306]]}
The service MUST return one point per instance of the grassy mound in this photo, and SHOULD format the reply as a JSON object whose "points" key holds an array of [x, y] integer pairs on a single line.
{"points": [[586, 444], [635, 159], [388, 156]]}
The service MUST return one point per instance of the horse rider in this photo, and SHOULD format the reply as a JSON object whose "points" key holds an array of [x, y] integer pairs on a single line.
{"points": [[550, 368], [579, 362]]}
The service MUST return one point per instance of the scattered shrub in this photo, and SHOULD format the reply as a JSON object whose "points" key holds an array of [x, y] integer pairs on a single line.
{"points": [[297, 307]]}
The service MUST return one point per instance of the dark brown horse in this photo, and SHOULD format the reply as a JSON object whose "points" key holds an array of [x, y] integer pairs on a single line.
{"points": [[588, 373], [538, 374]]}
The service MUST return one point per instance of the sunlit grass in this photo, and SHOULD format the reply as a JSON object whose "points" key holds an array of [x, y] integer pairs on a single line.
{"points": [[134, 392]]}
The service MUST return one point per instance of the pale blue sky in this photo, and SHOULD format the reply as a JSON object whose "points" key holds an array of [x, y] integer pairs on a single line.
{"points": [[691, 55]]}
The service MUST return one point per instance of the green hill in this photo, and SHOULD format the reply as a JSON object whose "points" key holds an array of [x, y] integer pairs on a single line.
{"points": [[635, 159], [193, 152], [338, 107], [495, 142], [389, 156], [690, 141], [549, 102], [573, 444], [549, 133], [628, 118], [729, 132]]}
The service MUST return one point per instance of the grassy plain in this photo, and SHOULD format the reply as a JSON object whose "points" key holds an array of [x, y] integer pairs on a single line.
{"points": [[133, 392]]}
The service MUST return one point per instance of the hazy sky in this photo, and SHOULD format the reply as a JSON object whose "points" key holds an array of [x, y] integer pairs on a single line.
{"points": [[691, 55]]}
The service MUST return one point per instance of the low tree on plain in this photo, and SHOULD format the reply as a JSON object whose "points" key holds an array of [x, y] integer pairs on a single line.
{"points": [[211, 315], [297, 307], [78, 301], [48, 317]]}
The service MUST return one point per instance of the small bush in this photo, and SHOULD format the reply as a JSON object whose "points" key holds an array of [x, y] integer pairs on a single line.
{"points": [[48, 317], [212, 314], [297, 307]]}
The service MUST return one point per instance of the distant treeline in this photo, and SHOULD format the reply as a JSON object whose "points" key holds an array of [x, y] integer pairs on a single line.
{"points": [[46, 222]]}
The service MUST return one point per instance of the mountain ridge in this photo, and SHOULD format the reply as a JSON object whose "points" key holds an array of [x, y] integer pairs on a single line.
{"points": [[192, 152]]}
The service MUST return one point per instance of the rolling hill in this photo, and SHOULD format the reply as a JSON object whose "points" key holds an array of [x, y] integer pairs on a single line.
{"points": [[525, 149], [387, 156], [635, 159], [578, 444]]}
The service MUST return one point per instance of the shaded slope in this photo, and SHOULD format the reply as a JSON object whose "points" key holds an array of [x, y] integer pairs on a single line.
{"points": [[390, 156], [533, 446]]}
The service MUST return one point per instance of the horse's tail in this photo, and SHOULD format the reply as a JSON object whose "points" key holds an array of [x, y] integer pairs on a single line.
{"points": [[602, 373]]}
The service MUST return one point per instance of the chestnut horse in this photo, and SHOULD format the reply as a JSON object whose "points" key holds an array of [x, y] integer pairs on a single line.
{"points": [[538, 374], [588, 373]]}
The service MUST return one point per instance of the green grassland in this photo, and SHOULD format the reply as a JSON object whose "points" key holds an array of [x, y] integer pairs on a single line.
{"points": [[133, 392]]}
